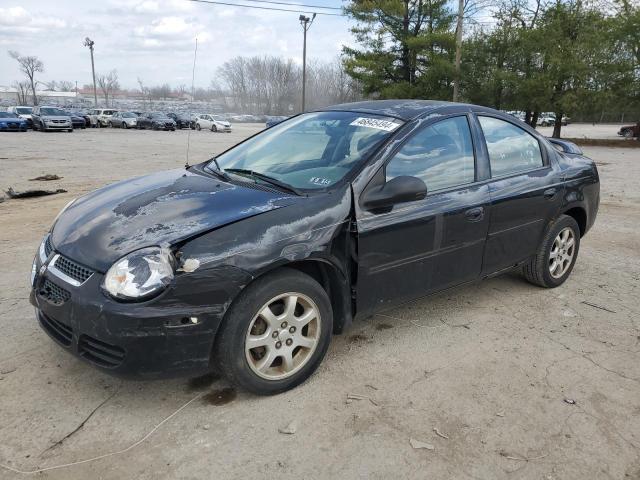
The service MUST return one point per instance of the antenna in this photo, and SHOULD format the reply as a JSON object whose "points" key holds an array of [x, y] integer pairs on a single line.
{"points": [[193, 94]]}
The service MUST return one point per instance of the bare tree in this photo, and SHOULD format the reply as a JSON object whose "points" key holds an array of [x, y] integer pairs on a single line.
{"points": [[108, 84], [29, 65], [146, 96], [22, 91], [61, 86]]}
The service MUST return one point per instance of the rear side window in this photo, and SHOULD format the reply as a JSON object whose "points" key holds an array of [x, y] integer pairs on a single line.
{"points": [[510, 148], [441, 155]]}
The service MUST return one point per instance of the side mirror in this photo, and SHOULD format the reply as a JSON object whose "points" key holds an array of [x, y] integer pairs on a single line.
{"points": [[397, 190]]}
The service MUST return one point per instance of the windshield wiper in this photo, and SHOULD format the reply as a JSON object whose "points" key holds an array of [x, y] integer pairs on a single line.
{"points": [[217, 171], [265, 178]]}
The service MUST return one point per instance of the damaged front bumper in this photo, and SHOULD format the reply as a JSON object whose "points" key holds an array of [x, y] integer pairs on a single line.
{"points": [[171, 335]]}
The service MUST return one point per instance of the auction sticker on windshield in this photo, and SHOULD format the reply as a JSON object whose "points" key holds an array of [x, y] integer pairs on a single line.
{"points": [[375, 123]]}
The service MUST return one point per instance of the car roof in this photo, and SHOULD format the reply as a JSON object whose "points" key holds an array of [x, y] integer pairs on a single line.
{"points": [[407, 109]]}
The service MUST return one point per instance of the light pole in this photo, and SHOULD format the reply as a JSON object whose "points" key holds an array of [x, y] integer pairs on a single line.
{"points": [[89, 43], [306, 24]]}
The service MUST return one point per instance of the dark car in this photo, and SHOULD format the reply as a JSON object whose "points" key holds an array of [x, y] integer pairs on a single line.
{"points": [[249, 262], [630, 131], [11, 122], [182, 120], [274, 120], [78, 121], [155, 121]]}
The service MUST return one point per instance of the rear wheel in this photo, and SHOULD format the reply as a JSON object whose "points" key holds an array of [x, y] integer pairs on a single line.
{"points": [[556, 255], [275, 334]]}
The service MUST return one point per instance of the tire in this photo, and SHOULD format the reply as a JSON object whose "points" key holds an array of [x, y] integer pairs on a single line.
{"points": [[627, 133], [70, 130], [214, 128], [198, 127], [241, 366], [538, 270]]}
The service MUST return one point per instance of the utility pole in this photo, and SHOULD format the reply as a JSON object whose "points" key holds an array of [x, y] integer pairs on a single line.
{"points": [[306, 24], [456, 81], [89, 43]]}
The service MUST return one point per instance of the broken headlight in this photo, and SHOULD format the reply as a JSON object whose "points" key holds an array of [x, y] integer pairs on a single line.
{"points": [[140, 275]]}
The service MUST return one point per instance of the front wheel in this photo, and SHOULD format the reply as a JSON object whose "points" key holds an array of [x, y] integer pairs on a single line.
{"points": [[214, 128], [198, 127], [556, 255], [275, 334], [627, 133]]}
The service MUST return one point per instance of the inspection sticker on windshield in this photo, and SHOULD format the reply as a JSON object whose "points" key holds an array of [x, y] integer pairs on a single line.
{"points": [[375, 123]]}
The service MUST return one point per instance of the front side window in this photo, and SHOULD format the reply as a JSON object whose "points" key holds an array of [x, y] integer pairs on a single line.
{"points": [[510, 148], [313, 150], [441, 155]]}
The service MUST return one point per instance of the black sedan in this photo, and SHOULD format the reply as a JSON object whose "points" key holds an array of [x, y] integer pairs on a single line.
{"points": [[155, 121], [77, 120], [182, 120], [249, 262]]}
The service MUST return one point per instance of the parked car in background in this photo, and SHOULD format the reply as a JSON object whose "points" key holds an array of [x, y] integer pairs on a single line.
{"points": [[629, 131], [182, 119], [248, 263], [100, 116], [549, 120], [215, 123], [84, 114], [23, 112], [50, 118], [77, 121], [123, 120], [155, 121], [11, 122], [274, 120]]}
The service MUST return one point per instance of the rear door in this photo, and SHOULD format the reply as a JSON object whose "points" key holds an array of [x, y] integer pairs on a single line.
{"points": [[526, 192], [426, 245]]}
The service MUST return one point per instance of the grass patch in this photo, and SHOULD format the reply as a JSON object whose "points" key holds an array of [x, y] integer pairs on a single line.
{"points": [[605, 142]]}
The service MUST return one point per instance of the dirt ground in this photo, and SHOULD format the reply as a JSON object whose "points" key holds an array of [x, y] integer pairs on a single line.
{"points": [[505, 380]]}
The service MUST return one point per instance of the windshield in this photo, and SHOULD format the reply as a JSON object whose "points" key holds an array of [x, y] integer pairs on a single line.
{"points": [[128, 115], [158, 115], [52, 111], [310, 151], [24, 110]]}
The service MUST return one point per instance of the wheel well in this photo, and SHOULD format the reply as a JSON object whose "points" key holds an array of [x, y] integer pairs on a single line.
{"points": [[580, 216], [336, 286]]}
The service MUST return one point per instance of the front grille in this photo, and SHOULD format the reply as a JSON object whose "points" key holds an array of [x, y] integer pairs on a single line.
{"points": [[59, 121], [53, 293], [61, 332], [48, 248], [73, 269], [99, 352]]}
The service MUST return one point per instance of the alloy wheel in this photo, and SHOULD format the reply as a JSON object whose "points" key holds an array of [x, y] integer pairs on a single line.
{"points": [[282, 336], [562, 252]]}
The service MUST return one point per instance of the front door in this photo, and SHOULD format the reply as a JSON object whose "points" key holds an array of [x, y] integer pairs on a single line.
{"points": [[423, 246]]}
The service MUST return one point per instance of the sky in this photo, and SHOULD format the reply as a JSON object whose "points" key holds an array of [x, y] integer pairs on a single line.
{"points": [[155, 39]]}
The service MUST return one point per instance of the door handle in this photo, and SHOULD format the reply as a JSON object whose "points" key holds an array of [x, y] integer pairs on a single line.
{"points": [[550, 193], [474, 214]]}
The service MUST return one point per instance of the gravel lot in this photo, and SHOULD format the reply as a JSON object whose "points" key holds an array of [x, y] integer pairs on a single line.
{"points": [[486, 374]]}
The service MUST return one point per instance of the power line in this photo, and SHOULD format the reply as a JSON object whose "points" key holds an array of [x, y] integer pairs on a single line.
{"points": [[294, 4], [217, 2]]}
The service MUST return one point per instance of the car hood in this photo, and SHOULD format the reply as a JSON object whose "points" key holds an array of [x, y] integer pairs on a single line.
{"points": [[159, 209], [11, 119]]}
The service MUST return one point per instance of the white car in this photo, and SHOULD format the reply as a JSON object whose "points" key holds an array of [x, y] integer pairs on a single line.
{"points": [[213, 123], [100, 116], [23, 112]]}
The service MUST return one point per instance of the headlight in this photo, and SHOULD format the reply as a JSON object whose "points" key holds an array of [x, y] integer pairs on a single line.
{"points": [[141, 274]]}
